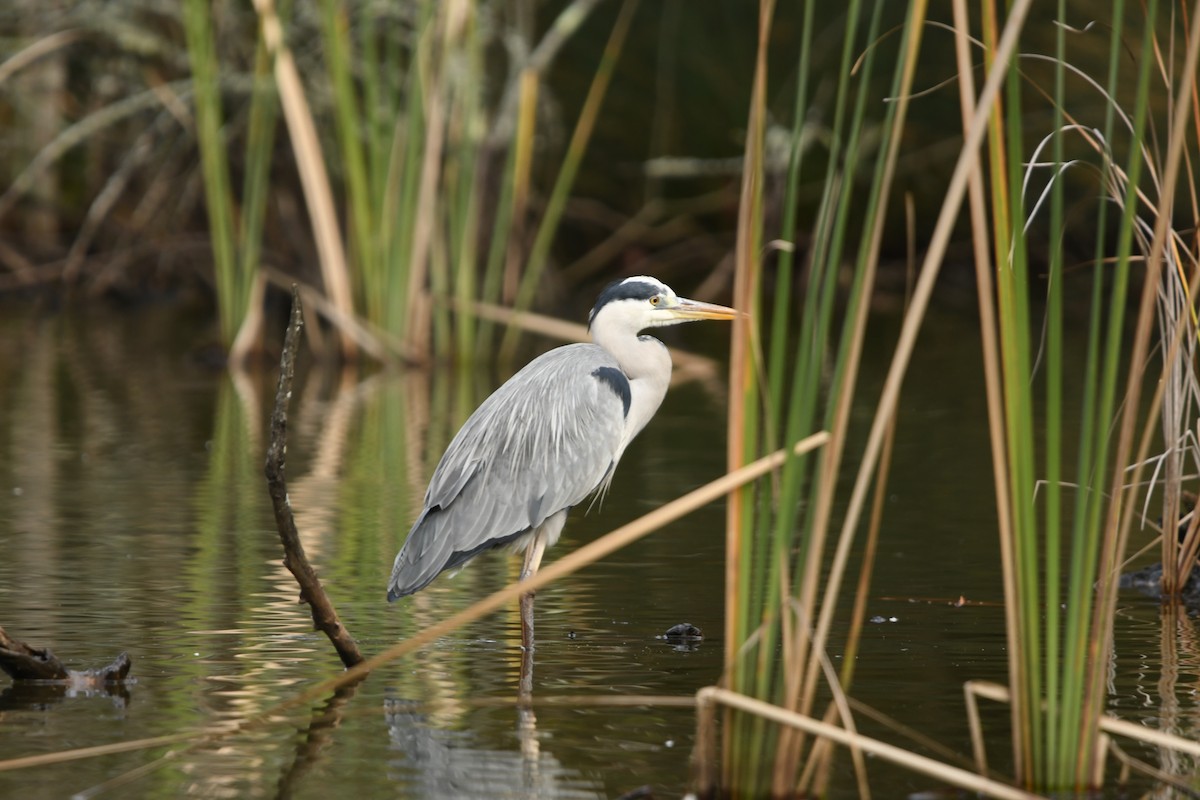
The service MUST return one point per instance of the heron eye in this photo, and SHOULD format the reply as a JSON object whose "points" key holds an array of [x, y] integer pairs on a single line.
{"points": [[655, 300]]}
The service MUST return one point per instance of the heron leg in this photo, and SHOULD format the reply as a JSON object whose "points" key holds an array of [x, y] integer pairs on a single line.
{"points": [[545, 535], [533, 559], [534, 553]]}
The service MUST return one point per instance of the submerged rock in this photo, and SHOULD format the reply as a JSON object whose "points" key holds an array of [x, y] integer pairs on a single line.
{"points": [[684, 631], [684, 637], [1148, 581]]}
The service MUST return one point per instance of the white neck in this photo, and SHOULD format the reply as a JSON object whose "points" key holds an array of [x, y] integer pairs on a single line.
{"points": [[647, 364]]}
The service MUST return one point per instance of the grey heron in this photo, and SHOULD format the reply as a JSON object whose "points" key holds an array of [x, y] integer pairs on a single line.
{"points": [[547, 438]]}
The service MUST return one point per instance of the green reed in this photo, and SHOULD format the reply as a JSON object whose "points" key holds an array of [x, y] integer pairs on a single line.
{"points": [[780, 598], [407, 107], [437, 174], [235, 224], [1063, 533], [419, 206]]}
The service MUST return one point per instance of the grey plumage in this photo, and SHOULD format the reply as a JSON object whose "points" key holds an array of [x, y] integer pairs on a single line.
{"points": [[547, 438], [480, 496]]}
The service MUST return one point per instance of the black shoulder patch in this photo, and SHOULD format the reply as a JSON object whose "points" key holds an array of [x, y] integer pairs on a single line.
{"points": [[614, 379]]}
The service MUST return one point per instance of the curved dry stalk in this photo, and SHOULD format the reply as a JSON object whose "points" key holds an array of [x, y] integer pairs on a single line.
{"points": [[840, 708], [417, 330], [77, 133], [1120, 514], [710, 696], [370, 339], [102, 205], [557, 35], [309, 161], [128, 777], [78, 754], [42, 47], [1113, 725]]}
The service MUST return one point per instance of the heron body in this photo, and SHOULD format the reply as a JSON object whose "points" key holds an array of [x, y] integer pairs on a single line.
{"points": [[547, 438]]}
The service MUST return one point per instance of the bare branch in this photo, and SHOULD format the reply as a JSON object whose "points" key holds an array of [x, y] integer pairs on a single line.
{"points": [[325, 617]]}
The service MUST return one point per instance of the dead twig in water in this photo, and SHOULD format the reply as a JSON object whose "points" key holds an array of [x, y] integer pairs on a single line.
{"points": [[324, 616]]}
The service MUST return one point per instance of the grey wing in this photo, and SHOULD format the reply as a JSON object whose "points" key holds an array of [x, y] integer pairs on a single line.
{"points": [[540, 444]]}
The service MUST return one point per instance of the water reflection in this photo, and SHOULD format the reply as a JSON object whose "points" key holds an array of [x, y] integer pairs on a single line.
{"points": [[317, 739], [39, 696], [440, 762], [1155, 676], [133, 515]]}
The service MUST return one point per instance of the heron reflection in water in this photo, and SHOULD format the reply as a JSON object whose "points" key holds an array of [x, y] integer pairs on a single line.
{"points": [[546, 439]]}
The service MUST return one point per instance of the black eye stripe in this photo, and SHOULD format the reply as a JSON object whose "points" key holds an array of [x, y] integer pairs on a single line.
{"points": [[626, 290]]}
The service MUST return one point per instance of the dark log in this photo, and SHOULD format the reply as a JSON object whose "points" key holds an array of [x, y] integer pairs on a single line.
{"points": [[25, 663], [324, 616]]}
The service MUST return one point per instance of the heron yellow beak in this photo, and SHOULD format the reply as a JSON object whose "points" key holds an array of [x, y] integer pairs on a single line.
{"points": [[694, 309]]}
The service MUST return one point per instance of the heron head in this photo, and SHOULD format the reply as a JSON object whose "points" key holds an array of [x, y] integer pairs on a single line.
{"points": [[644, 302]]}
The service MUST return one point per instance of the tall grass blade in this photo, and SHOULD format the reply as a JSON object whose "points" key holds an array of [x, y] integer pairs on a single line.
{"points": [[436, 179], [232, 286], [1052, 559], [775, 541]]}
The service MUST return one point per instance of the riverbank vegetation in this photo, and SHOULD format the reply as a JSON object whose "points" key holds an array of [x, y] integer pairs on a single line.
{"points": [[1076, 456], [425, 173]]}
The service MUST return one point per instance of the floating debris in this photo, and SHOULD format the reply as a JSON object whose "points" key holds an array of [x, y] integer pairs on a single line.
{"points": [[684, 631], [25, 663]]}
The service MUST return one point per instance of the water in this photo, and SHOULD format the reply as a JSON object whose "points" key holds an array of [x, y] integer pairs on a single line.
{"points": [[134, 516]]}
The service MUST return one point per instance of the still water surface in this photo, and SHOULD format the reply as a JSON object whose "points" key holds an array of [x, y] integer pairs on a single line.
{"points": [[133, 516]]}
